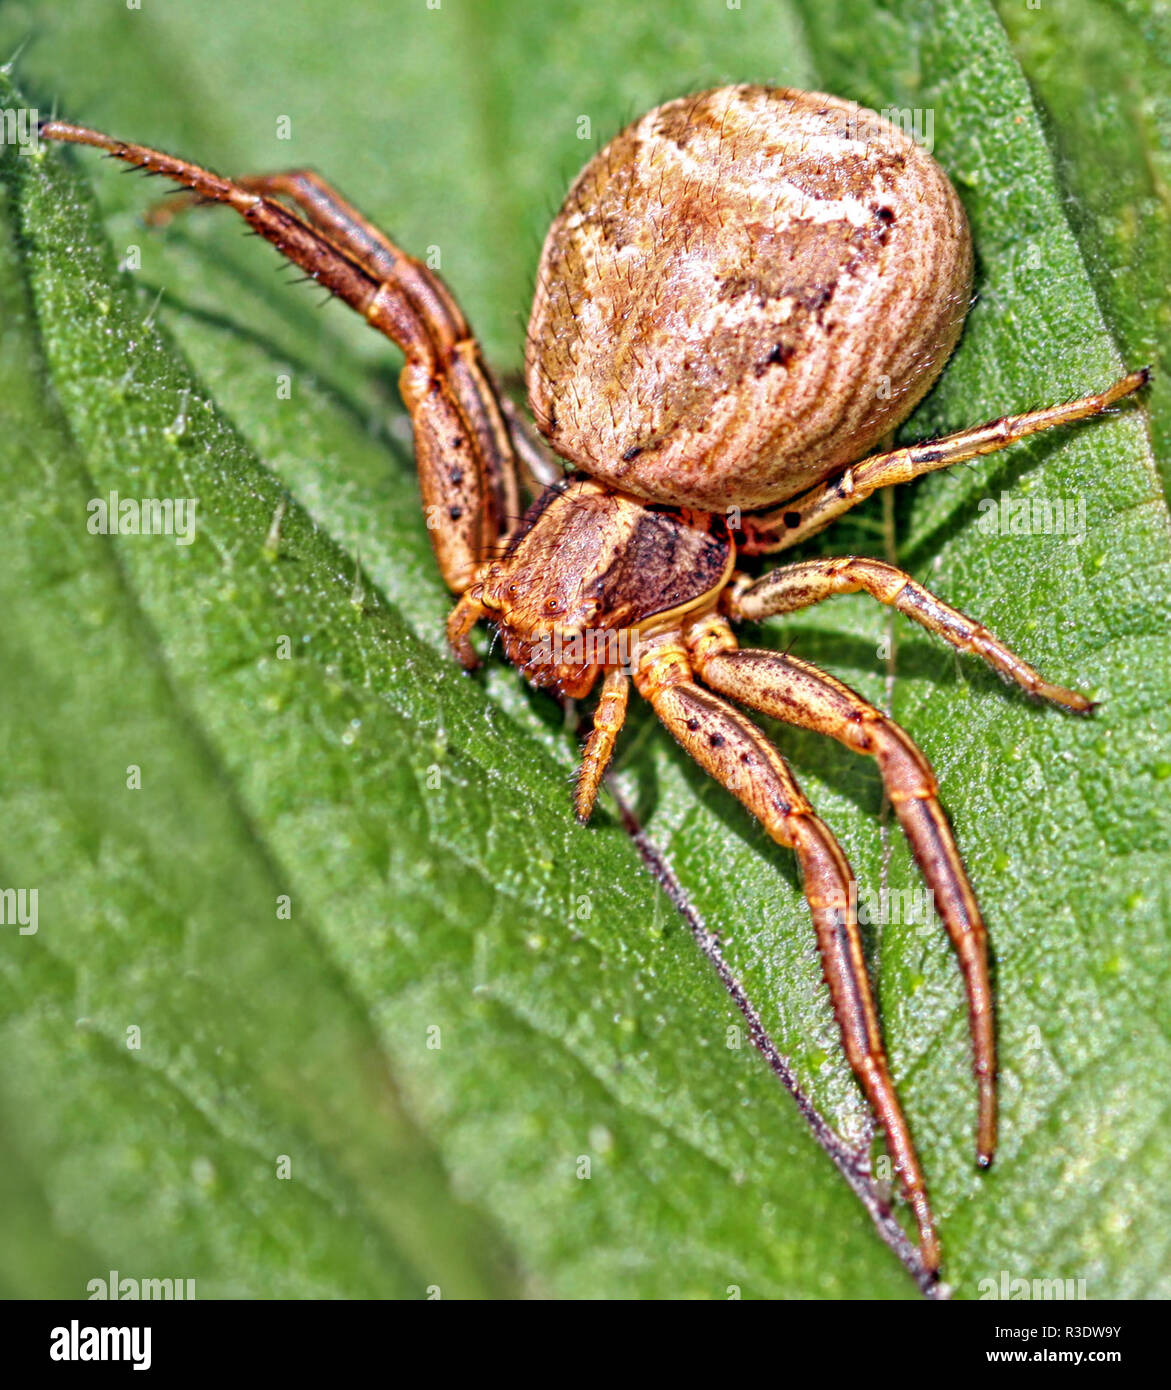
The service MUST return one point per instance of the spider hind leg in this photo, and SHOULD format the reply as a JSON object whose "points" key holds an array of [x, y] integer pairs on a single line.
{"points": [[792, 587], [463, 445], [804, 516]]}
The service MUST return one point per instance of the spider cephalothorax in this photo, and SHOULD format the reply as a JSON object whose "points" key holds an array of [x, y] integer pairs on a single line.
{"points": [[588, 569], [744, 292]]}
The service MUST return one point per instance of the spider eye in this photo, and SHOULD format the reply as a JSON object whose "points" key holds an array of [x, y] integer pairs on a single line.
{"points": [[514, 588], [552, 605]]}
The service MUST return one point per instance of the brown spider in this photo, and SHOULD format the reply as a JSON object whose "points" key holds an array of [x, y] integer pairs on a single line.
{"points": [[744, 292]]}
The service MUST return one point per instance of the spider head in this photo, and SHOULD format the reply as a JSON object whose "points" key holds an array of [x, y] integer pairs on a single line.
{"points": [[550, 629], [552, 660], [546, 593]]}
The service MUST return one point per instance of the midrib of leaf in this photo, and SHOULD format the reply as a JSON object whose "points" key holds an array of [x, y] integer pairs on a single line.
{"points": [[603, 875]]}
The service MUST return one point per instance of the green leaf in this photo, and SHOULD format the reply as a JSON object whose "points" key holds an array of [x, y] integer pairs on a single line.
{"points": [[419, 821]]}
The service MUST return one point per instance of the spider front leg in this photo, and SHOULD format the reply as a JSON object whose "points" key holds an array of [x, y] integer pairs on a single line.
{"points": [[800, 694], [784, 526], [599, 748], [792, 587], [463, 447], [735, 752]]}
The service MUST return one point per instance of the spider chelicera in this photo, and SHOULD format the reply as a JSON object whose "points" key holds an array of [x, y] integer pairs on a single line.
{"points": [[743, 294]]}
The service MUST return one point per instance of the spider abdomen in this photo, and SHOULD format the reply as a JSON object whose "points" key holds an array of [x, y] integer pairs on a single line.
{"points": [[744, 290]]}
